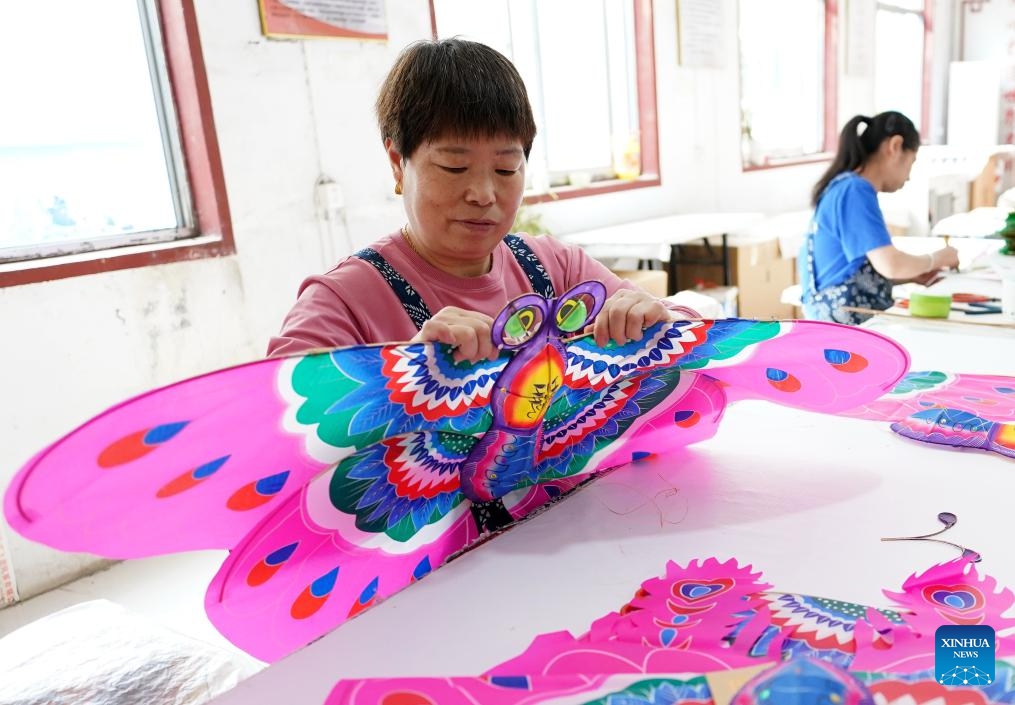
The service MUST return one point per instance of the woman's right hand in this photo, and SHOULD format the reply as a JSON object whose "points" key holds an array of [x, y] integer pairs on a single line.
{"points": [[945, 258], [469, 332]]}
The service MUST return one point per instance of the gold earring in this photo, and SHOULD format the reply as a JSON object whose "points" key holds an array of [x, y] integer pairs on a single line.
{"points": [[398, 188]]}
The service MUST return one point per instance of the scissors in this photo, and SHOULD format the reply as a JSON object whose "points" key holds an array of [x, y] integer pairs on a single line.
{"points": [[964, 298], [978, 307]]}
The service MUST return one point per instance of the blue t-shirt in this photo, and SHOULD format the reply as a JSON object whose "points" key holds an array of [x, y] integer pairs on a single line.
{"points": [[847, 224]]}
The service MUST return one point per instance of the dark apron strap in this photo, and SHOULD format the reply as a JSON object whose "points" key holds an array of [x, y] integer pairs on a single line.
{"points": [[413, 303], [810, 271], [810, 276], [531, 265]]}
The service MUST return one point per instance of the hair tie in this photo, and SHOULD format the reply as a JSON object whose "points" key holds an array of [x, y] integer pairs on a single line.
{"points": [[861, 127]]}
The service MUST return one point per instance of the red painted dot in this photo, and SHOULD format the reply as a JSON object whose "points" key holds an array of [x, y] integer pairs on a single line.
{"points": [[405, 698]]}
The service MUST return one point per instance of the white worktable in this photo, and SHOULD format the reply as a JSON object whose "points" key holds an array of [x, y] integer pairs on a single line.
{"points": [[979, 222], [983, 283], [803, 497], [660, 238]]}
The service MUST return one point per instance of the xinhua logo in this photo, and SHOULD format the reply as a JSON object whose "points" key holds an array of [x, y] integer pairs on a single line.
{"points": [[964, 655]]}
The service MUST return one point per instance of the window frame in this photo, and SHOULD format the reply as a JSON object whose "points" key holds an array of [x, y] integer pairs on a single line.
{"points": [[830, 98], [212, 234], [927, 15], [648, 123]]}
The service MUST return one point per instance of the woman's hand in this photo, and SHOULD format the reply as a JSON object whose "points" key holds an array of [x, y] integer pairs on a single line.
{"points": [[625, 315], [901, 267], [945, 258], [468, 332], [927, 278]]}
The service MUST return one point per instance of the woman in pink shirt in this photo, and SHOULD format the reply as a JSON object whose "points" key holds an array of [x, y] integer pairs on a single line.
{"points": [[456, 124]]}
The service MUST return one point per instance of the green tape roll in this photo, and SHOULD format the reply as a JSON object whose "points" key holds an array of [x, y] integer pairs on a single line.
{"points": [[930, 305]]}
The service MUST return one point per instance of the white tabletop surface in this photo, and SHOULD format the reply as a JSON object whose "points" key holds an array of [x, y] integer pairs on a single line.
{"points": [[653, 238], [979, 222], [803, 497]]}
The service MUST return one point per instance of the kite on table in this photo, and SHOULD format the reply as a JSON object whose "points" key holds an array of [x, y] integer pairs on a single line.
{"points": [[692, 629]]}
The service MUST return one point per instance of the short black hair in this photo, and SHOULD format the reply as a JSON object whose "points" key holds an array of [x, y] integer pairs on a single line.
{"points": [[453, 86]]}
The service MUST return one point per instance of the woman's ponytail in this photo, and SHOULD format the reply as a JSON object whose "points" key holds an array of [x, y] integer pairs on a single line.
{"points": [[850, 155]]}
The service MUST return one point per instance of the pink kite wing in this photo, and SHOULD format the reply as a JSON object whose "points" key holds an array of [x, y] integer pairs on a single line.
{"points": [[308, 567], [814, 366], [122, 485], [230, 446], [990, 397]]}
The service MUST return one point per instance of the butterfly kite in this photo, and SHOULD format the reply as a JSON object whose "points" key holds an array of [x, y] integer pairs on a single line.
{"points": [[711, 617], [338, 478]]}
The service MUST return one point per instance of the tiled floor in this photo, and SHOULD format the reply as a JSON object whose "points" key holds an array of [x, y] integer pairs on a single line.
{"points": [[167, 589]]}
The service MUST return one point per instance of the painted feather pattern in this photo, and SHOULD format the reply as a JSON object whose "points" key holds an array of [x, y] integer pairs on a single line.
{"points": [[960, 411]]}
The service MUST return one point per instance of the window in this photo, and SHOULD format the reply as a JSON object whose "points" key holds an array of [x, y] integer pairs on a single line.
{"points": [[93, 172], [899, 59], [787, 84], [588, 67]]}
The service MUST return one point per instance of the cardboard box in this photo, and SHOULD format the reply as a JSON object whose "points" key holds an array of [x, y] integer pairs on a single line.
{"points": [[983, 190], [757, 269], [651, 280]]}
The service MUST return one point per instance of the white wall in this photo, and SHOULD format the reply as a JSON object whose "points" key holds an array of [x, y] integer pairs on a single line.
{"points": [[987, 33], [286, 112]]}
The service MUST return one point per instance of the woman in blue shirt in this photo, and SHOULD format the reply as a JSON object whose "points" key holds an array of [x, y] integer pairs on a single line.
{"points": [[848, 259]]}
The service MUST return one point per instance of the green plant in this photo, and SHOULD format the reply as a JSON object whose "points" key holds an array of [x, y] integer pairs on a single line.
{"points": [[529, 221]]}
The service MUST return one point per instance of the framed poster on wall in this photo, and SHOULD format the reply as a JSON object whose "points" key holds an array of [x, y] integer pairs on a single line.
{"points": [[328, 19], [700, 34]]}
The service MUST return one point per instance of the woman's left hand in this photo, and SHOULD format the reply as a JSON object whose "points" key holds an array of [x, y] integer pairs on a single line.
{"points": [[928, 278], [625, 315]]}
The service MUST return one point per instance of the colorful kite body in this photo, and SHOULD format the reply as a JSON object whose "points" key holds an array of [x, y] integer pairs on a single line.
{"points": [[339, 478], [710, 616]]}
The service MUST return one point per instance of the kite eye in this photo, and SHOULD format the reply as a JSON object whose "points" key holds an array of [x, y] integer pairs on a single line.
{"points": [[573, 313], [520, 321], [579, 306]]}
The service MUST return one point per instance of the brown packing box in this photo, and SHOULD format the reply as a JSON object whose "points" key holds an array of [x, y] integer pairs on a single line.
{"points": [[757, 269], [651, 280], [983, 189]]}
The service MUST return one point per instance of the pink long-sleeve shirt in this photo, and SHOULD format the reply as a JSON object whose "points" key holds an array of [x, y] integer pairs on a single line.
{"points": [[353, 304]]}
